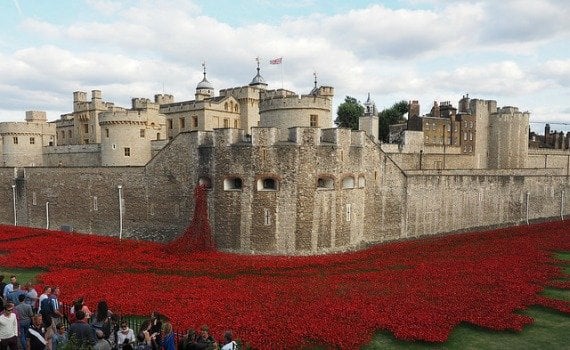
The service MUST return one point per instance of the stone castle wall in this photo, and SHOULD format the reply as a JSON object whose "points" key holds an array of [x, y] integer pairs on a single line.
{"points": [[333, 190], [457, 201], [72, 155]]}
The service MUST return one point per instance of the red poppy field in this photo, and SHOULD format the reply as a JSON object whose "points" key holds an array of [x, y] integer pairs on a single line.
{"points": [[418, 290]]}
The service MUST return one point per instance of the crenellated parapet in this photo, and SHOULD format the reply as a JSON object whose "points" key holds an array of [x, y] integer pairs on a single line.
{"points": [[185, 106], [144, 103], [228, 136], [294, 102], [271, 137], [242, 92], [26, 128], [128, 116], [163, 99]]}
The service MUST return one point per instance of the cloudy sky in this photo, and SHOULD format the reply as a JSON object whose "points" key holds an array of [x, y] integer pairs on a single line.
{"points": [[516, 52]]}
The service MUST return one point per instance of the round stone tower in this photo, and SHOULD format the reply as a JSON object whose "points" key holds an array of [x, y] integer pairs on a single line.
{"points": [[508, 138], [126, 135], [285, 109]]}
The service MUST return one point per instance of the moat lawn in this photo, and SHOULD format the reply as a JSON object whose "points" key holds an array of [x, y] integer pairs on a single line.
{"points": [[500, 289], [550, 330]]}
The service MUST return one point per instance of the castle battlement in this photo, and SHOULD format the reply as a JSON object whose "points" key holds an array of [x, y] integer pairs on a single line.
{"points": [[301, 136], [294, 102], [163, 99], [228, 136], [36, 116], [241, 92], [26, 128], [125, 116], [277, 93], [512, 111], [143, 103], [183, 106]]}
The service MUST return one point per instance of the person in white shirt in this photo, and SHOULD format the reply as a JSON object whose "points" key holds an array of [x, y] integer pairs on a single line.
{"points": [[125, 333], [45, 294], [229, 341], [8, 328]]}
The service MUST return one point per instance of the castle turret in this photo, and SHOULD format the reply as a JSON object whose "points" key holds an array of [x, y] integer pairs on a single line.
{"points": [[204, 89], [369, 120], [413, 109], [127, 134], [21, 143], [508, 138], [258, 80], [285, 109], [464, 105]]}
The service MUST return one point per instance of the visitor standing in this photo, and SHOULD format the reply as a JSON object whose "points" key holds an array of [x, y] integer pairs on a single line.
{"points": [[35, 337], [59, 338], [229, 342], [31, 296], [168, 337], [101, 319], [205, 340], [80, 332], [44, 295], [125, 334], [9, 287], [8, 328], [102, 343], [24, 316]]}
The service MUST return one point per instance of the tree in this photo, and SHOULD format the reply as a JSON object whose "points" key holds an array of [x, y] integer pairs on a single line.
{"points": [[392, 115], [348, 113]]}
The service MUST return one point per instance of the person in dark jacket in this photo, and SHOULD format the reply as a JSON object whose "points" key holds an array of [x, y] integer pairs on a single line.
{"points": [[81, 333]]}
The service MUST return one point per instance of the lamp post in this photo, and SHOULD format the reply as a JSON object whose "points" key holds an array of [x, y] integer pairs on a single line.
{"points": [[443, 139], [120, 188], [14, 202], [47, 215], [562, 205]]}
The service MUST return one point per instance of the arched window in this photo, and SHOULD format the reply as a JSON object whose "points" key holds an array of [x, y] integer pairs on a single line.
{"points": [[348, 182], [233, 184], [325, 183], [267, 184]]}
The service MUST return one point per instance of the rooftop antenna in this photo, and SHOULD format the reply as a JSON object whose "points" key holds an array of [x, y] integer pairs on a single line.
{"points": [[315, 75]]}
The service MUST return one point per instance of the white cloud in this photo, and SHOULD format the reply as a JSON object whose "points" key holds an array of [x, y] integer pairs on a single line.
{"points": [[132, 48], [499, 79], [104, 6], [41, 29], [557, 70]]}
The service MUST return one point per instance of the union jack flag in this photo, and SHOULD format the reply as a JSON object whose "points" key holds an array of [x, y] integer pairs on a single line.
{"points": [[276, 60]]}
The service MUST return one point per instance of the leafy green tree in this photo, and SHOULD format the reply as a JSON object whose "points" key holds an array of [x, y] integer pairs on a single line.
{"points": [[392, 115], [348, 113]]}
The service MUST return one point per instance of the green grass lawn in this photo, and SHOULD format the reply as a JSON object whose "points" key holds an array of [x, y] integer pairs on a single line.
{"points": [[23, 276], [550, 330]]}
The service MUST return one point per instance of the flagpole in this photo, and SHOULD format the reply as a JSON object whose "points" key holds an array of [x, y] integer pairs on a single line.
{"points": [[282, 74]]}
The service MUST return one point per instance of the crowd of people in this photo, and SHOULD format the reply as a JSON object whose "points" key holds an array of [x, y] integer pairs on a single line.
{"points": [[41, 322]]}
